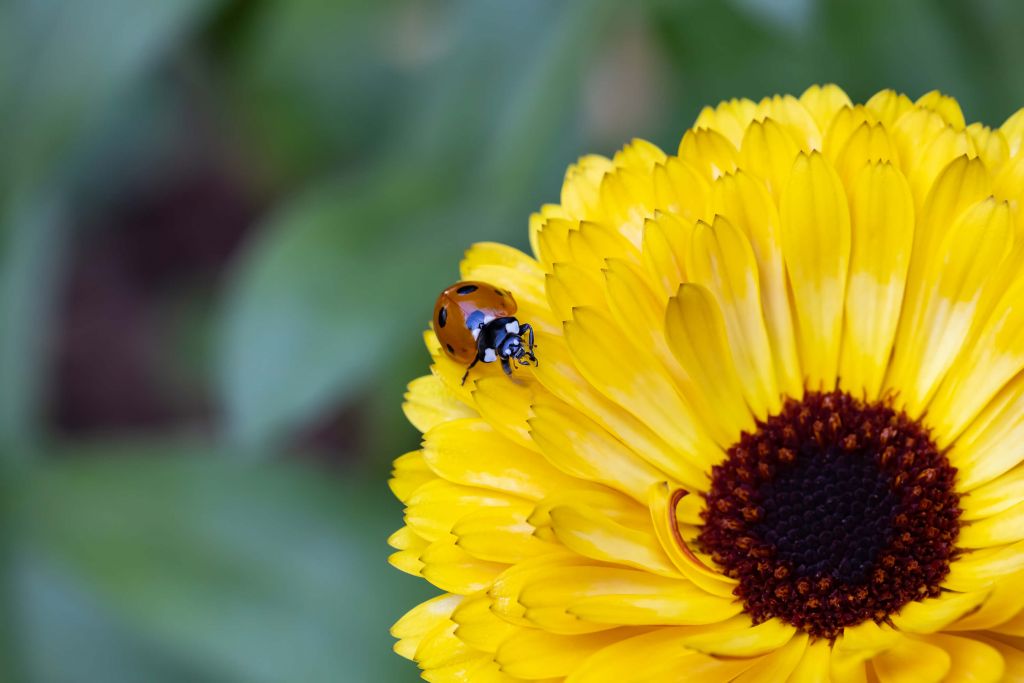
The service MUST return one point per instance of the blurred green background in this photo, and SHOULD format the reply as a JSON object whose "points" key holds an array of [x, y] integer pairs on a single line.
{"points": [[222, 226]]}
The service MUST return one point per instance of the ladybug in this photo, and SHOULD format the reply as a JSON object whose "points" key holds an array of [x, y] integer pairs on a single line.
{"points": [[475, 321]]}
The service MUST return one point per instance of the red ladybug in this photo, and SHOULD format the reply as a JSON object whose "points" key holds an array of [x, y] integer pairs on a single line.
{"points": [[475, 321]]}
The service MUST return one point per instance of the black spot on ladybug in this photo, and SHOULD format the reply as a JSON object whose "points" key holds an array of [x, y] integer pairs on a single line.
{"points": [[466, 289], [442, 316], [450, 349]]}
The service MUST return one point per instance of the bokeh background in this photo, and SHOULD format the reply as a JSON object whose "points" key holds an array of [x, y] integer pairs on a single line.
{"points": [[222, 227]]}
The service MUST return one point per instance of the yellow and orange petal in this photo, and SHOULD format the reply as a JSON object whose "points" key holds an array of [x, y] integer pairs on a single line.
{"points": [[786, 249]]}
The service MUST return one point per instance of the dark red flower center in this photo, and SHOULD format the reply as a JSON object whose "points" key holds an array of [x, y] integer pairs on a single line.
{"points": [[833, 512]]}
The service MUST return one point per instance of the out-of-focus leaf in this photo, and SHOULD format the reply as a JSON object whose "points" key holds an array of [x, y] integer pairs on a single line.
{"points": [[68, 637], [317, 305], [247, 572], [63, 66], [30, 253], [315, 82], [342, 280]]}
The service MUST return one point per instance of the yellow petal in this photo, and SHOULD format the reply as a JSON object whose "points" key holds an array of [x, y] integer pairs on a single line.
{"points": [[696, 334], [989, 446], [990, 144], [410, 471], [533, 654], [1013, 658], [504, 594], [664, 507], [611, 504], [515, 271], [1013, 131], [847, 668], [972, 661], [935, 614], [768, 153], [739, 637], [722, 260], [778, 665], [505, 405], [501, 535], [580, 190], [478, 626], [824, 102], [912, 661], [679, 189], [656, 656], [814, 665], [816, 247], [441, 648], [638, 310], [999, 529], [994, 497], [889, 106], [846, 122], [867, 637], [470, 667], [967, 257], [663, 608], [552, 237], [745, 203], [882, 226], [580, 447], [730, 118], [472, 453], [452, 569], [708, 152], [797, 121], [407, 539], [580, 599], [407, 561], [434, 508], [633, 378], [627, 197], [666, 241], [981, 568], [926, 146], [591, 243], [869, 143], [592, 535], [560, 376], [420, 620], [943, 105], [638, 155], [569, 285], [428, 402], [1006, 599], [995, 353]]}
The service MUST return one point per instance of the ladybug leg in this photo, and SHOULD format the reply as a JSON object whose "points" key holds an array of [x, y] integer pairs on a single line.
{"points": [[475, 361], [528, 331], [506, 366]]}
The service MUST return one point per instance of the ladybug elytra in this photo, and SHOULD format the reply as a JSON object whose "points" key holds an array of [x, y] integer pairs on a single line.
{"points": [[475, 321]]}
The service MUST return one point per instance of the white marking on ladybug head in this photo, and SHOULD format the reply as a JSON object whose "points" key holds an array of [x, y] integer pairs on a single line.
{"points": [[512, 327], [475, 332], [489, 356]]}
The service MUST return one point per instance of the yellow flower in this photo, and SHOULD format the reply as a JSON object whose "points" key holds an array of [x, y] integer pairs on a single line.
{"points": [[777, 425]]}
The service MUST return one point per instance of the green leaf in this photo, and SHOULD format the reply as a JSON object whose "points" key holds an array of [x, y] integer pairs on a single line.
{"points": [[246, 572]]}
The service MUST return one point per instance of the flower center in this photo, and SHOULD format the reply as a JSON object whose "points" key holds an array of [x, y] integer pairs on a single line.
{"points": [[834, 512]]}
